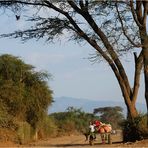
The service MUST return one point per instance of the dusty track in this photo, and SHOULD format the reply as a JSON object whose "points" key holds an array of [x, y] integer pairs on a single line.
{"points": [[78, 141]]}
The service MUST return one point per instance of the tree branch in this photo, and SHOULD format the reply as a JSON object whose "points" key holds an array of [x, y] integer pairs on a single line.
{"points": [[50, 5], [86, 4], [81, 4], [134, 14], [93, 44], [84, 7], [145, 11], [124, 30], [78, 30], [10, 2], [139, 10], [73, 5], [104, 39], [138, 67]]}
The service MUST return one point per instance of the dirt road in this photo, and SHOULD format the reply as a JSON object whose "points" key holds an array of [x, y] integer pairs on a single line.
{"points": [[78, 141]]}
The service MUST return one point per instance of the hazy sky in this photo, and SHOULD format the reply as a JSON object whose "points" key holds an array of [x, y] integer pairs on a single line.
{"points": [[73, 74]]}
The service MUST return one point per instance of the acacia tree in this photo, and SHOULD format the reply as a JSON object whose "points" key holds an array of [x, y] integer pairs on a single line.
{"points": [[110, 27], [24, 93], [112, 115]]}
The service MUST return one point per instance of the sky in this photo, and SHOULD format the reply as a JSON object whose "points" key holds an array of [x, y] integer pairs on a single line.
{"points": [[73, 75]]}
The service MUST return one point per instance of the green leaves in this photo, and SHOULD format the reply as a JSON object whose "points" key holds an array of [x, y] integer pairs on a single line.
{"points": [[23, 92], [112, 115]]}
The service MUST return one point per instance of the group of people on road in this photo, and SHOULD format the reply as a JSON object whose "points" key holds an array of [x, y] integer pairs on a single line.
{"points": [[98, 127]]}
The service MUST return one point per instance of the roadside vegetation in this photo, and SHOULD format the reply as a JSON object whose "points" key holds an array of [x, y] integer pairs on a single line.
{"points": [[24, 99], [135, 129], [75, 121]]}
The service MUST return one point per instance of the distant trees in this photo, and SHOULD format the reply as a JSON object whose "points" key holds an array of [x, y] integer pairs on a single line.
{"points": [[76, 120], [73, 120], [112, 115], [24, 93]]}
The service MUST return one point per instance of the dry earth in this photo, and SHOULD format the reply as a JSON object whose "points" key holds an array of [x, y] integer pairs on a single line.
{"points": [[78, 141]]}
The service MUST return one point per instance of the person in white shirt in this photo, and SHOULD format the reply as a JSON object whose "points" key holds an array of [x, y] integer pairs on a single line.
{"points": [[92, 129]]}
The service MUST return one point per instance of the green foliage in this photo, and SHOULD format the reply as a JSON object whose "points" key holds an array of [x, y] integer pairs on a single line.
{"points": [[143, 125], [112, 115], [11, 95], [135, 129], [24, 132], [47, 128], [73, 120], [24, 93], [6, 119]]}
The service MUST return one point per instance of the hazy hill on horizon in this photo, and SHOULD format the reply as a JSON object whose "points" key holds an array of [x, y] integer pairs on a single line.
{"points": [[87, 105]]}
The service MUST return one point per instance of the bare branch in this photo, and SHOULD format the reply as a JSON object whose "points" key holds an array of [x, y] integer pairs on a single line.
{"points": [[124, 30], [81, 4], [134, 14], [145, 5], [10, 2], [105, 41], [139, 10], [73, 5], [84, 7]]}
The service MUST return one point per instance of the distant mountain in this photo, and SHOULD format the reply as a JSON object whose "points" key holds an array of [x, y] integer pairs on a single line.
{"points": [[62, 103]]}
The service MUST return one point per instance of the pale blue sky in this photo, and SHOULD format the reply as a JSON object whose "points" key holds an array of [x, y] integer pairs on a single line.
{"points": [[73, 74]]}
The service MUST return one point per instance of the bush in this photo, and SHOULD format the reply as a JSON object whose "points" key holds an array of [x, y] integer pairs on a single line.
{"points": [[134, 129], [68, 126], [47, 128], [7, 121], [25, 132], [72, 121], [143, 126]]}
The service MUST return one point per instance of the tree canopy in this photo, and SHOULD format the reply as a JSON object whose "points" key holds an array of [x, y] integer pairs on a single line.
{"points": [[24, 93], [112, 115]]}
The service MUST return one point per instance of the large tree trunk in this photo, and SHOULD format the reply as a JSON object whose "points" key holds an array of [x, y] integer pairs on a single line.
{"points": [[142, 12], [129, 101], [145, 56], [144, 41]]}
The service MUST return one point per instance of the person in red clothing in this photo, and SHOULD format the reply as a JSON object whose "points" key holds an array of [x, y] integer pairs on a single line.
{"points": [[97, 123]]}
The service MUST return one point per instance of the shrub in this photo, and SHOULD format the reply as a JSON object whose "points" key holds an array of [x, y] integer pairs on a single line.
{"points": [[47, 128], [143, 126], [6, 119], [134, 129], [72, 121], [25, 132]]}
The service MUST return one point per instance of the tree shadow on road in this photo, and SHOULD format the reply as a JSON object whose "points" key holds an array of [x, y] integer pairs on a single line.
{"points": [[83, 145]]}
